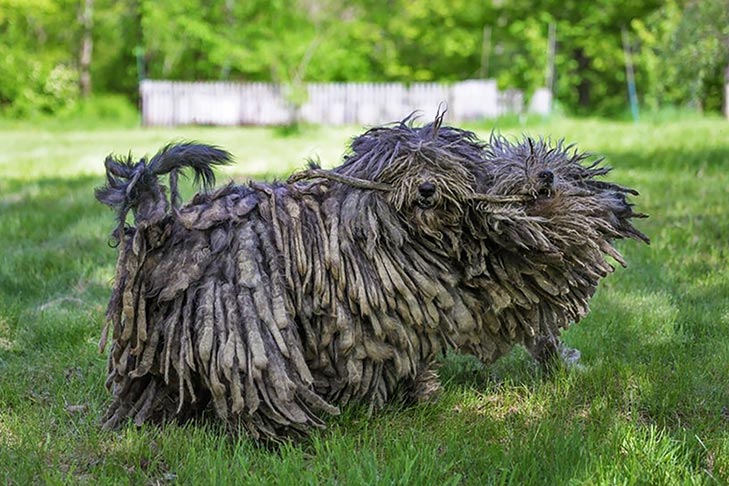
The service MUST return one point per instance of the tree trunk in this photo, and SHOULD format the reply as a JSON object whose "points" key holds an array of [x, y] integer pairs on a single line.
{"points": [[87, 45], [726, 91], [584, 86]]}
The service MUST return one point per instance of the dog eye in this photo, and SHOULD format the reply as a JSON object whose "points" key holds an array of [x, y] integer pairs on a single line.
{"points": [[426, 189]]}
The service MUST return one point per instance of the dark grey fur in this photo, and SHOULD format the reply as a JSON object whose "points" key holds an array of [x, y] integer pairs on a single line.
{"points": [[279, 302]]}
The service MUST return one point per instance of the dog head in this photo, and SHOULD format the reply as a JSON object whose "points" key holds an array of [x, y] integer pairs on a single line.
{"points": [[431, 174], [540, 174], [558, 202], [465, 199]]}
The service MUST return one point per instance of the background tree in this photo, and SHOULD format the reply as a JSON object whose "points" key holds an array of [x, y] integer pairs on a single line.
{"points": [[86, 19], [589, 62], [685, 50], [37, 56], [52, 50]]}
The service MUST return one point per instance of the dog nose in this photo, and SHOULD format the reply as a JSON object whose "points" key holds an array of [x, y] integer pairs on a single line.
{"points": [[546, 176], [426, 189]]}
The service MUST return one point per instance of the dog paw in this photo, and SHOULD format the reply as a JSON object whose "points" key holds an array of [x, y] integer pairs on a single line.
{"points": [[570, 358]]}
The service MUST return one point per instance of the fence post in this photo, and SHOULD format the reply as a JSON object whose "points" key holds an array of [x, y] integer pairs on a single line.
{"points": [[726, 92]]}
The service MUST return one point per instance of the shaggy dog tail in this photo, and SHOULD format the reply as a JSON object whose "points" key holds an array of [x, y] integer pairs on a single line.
{"points": [[135, 186]]}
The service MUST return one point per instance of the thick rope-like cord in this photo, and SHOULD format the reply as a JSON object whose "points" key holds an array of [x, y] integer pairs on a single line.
{"points": [[501, 199], [278, 234], [350, 181], [379, 186]]}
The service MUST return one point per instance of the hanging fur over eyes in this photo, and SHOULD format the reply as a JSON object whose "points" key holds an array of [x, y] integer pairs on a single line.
{"points": [[274, 304]]}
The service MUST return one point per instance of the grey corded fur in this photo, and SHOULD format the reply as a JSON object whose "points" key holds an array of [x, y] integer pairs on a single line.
{"points": [[279, 302]]}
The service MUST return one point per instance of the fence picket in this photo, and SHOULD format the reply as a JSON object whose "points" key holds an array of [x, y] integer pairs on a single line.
{"points": [[169, 103]]}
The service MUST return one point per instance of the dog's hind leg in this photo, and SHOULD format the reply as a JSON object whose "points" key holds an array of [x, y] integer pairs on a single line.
{"points": [[426, 384], [550, 352]]}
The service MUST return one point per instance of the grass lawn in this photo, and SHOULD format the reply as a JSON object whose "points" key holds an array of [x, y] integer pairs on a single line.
{"points": [[649, 406]]}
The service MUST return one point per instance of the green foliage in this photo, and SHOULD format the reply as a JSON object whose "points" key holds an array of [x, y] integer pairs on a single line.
{"points": [[648, 406], [685, 53], [436, 40], [35, 75], [117, 37], [110, 110], [94, 112], [680, 47], [589, 62]]}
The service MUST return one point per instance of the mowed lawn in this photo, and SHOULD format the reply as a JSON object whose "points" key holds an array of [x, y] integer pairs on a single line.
{"points": [[649, 405]]}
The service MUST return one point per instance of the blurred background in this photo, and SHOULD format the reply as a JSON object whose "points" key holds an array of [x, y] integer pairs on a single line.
{"points": [[598, 58]]}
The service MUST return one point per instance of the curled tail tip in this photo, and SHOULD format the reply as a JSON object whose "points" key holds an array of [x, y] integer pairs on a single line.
{"points": [[201, 158], [190, 150], [128, 180]]}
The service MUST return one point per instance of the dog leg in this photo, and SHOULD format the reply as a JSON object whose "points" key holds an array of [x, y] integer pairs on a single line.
{"points": [[550, 353], [426, 385]]}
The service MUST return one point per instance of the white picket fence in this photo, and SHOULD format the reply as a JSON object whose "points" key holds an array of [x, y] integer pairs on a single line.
{"points": [[170, 103]]}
